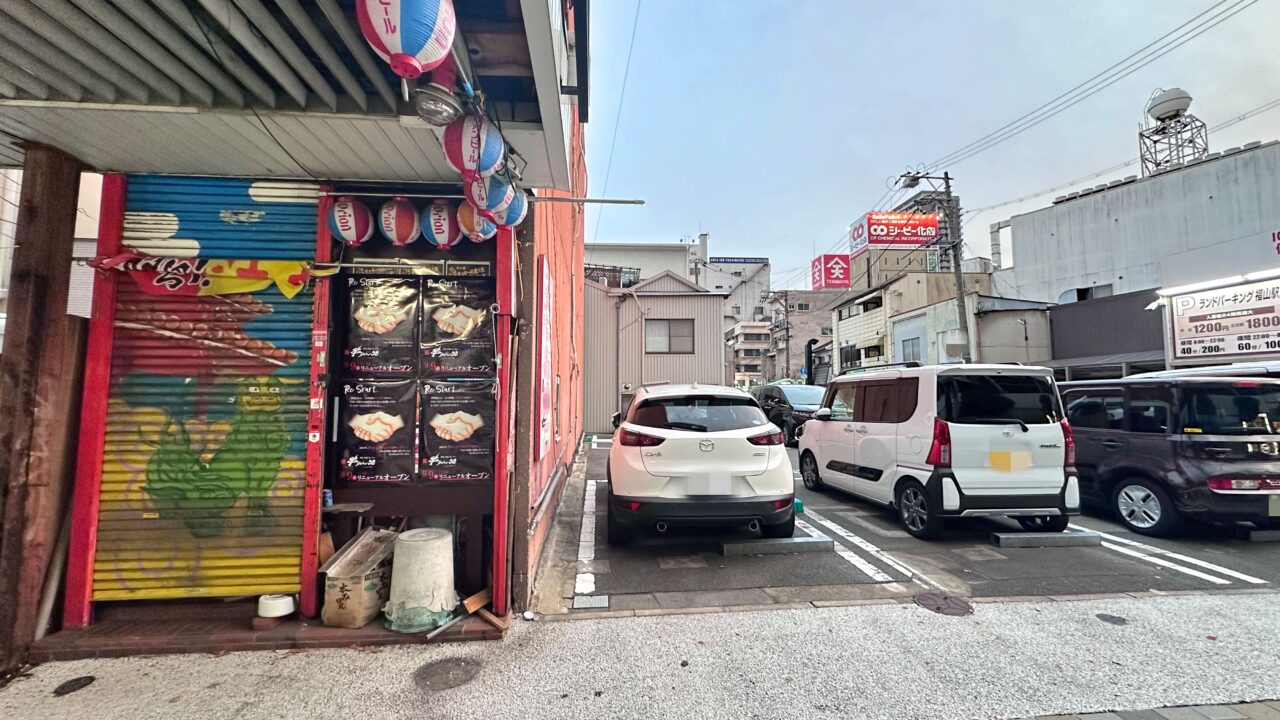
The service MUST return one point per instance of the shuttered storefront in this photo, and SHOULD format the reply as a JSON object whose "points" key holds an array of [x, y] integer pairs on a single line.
{"points": [[204, 464]]}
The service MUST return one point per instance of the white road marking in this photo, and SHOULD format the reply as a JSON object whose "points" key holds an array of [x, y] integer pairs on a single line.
{"points": [[585, 582], [1165, 563], [867, 524], [849, 556], [1158, 551], [874, 551]]}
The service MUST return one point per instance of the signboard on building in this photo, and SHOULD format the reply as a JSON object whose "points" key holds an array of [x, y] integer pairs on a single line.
{"points": [[1228, 323], [892, 231], [830, 271], [734, 260]]}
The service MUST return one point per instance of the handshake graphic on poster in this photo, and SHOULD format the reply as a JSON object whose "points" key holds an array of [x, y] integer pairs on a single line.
{"points": [[375, 427], [456, 426], [458, 320], [379, 320]]}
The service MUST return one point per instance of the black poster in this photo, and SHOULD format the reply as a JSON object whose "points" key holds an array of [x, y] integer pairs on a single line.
{"points": [[456, 328], [381, 327], [378, 431], [458, 423]]}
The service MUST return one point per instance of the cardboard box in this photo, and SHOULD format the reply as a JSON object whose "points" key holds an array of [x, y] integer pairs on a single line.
{"points": [[357, 580]]}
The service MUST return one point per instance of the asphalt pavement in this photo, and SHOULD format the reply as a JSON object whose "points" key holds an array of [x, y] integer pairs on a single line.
{"points": [[1007, 660], [874, 559]]}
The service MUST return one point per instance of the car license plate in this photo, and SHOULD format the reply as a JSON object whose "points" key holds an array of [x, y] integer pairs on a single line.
{"points": [[711, 484], [1273, 506]]}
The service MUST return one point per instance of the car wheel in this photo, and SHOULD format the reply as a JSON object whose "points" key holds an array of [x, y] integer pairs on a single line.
{"points": [[809, 472], [780, 530], [915, 511], [616, 532], [1044, 523], [1145, 508]]}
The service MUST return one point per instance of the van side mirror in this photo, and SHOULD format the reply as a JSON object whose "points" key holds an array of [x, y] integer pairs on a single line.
{"points": [[617, 420], [823, 414]]}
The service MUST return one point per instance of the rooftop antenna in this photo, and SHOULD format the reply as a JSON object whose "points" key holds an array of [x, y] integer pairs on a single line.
{"points": [[1170, 136]]}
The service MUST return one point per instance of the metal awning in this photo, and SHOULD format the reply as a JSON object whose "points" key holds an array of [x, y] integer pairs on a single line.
{"points": [[873, 342], [271, 88]]}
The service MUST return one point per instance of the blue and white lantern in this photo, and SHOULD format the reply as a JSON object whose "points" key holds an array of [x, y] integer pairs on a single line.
{"points": [[413, 36]]}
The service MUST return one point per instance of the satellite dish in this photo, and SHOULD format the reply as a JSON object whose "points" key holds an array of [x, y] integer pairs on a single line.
{"points": [[1169, 104]]}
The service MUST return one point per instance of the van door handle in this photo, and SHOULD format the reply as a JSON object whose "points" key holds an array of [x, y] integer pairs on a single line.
{"points": [[1218, 451], [849, 428], [1110, 444], [862, 430]]}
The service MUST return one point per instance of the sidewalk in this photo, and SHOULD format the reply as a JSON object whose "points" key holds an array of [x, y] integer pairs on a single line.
{"points": [[1008, 660], [1249, 711]]}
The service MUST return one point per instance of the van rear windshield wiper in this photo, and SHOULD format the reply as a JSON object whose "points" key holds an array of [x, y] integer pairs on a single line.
{"points": [[998, 421]]}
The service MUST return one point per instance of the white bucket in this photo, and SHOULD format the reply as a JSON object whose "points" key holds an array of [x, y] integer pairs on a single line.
{"points": [[422, 593]]}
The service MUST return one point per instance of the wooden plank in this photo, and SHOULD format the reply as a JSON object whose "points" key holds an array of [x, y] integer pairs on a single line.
{"points": [[477, 601], [32, 371], [500, 623]]}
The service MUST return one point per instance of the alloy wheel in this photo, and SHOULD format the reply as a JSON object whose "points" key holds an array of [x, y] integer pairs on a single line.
{"points": [[1139, 506], [809, 472], [914, 509]]}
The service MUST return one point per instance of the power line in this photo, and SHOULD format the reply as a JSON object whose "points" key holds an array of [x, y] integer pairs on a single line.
{"points": [[1265, 107], [1112, 76], [626, 73]]}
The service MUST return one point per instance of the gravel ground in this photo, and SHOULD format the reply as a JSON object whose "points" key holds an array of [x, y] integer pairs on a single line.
{"points": [[898, 661]]}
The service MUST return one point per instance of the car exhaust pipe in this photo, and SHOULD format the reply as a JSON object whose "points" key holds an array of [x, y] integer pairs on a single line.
{"points": [[754, 525], [661, 526]]}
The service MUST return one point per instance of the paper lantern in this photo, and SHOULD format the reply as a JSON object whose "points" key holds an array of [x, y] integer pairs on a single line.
{"points": [[398, 220], [350, 221], [515, 212], [473, 146], [414, 36], [490, 195], [475, 227], [440, 224]]}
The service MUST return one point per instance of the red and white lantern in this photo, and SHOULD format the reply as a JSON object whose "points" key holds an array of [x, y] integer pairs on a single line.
{"points": [[491, 195], [473, 146], [440, 224], [398, 221], [350, 221], [413, 36], [514, 214], [476, 228]]}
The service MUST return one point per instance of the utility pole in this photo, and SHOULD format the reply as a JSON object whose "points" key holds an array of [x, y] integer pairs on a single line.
{"points": [[955, 241]]}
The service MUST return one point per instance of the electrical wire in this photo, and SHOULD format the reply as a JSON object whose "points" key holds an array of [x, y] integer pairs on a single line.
{"points": [[613, 142], [1090, 87]]}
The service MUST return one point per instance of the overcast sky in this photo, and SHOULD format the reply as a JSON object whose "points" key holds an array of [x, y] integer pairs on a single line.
{"points": [[773, 124]]}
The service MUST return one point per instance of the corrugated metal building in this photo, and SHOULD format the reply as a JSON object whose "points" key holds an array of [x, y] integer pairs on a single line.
{"points": [[665, 329]]}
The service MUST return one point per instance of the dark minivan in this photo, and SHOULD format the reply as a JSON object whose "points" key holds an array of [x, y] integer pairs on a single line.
{"points": [[1160, 450], [789, 406]]}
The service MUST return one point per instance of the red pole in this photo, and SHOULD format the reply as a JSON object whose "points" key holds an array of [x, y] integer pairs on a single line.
{"points": [[505, 273], [316, 416], [93, 411]]}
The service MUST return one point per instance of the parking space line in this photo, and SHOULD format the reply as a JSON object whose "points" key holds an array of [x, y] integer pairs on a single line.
{"points": [[874, 551], [1194, 561], [585, 582], [849, 556], [1165, 563]]}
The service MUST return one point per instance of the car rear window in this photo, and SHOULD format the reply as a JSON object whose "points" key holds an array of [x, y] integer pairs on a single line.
{"points": [[705, 413], [1031, 399], [804, 394], [1240, 408]]}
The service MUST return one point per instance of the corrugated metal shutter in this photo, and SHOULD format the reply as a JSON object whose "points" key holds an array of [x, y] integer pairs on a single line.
{"points": [[204, 464]]}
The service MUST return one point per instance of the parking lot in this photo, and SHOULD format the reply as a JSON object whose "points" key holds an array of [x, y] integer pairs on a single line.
{"points": [[873, 560]]}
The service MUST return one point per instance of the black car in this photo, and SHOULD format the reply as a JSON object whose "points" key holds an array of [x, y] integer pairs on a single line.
{"points": [[1158, 451], [789, 406]]}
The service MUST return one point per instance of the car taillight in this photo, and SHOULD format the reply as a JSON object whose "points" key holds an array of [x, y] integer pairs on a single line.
{"points": [[1229, 483], [1069, 442], [635, 439], [773, 438], [940, 452]]}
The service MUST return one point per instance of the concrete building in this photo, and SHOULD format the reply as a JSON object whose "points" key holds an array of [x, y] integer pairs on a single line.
{"points": [[686, 259], [797, 316], [745, 281], [1212, 218], [862, 325], [1130, 340], [747, 345], [663, 329]]}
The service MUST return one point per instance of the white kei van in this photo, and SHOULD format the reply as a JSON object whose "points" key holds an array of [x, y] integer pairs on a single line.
{"points": [[947, 441]]}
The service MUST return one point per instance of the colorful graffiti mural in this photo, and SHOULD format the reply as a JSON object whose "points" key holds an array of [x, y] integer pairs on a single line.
{"points": [[204, 461]]}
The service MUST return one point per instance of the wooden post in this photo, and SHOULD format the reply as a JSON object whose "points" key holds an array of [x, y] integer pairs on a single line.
{"points": [[37, 385]]}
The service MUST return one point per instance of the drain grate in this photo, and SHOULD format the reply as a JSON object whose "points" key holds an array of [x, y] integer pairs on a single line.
{"points": [[944, 604], [446, 674]]}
